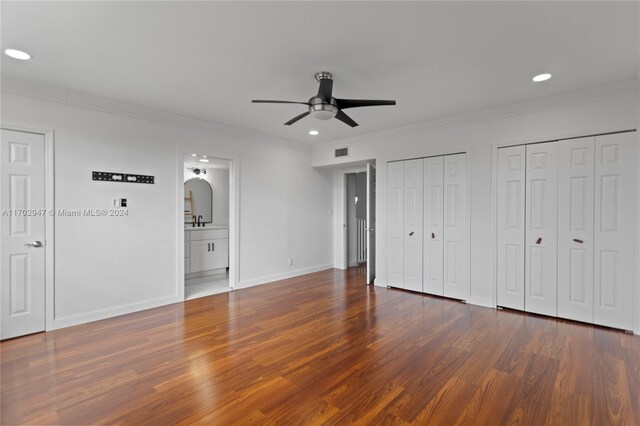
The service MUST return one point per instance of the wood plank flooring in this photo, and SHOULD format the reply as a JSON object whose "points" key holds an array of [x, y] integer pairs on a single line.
{"points": [[323, 348]]}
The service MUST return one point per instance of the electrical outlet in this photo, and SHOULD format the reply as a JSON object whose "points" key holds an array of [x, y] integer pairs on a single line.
{"points": [[290, 262]]}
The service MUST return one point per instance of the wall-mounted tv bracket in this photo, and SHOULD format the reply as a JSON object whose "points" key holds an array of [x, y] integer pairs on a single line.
{"points": [[122, 177]]}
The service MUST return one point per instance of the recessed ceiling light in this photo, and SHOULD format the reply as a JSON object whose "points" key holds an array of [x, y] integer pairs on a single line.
{"points": [[194, 155], [203, 160], [541, 77], [313, 132], [17, 54]]}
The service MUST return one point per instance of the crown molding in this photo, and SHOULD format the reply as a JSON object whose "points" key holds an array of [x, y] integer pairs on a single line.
{"points": [[78, 99], [459, 120]]}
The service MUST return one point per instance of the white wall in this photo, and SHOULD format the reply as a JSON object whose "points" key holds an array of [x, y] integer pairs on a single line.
{"points": [[477, 137], [107, 266], [219, 181]]}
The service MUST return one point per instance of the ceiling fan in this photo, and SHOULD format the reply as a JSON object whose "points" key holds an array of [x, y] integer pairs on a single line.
{"points": [[324, 106]]}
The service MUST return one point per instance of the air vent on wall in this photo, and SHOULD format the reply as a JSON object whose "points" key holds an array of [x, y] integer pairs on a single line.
{"points": [[342, 152]]}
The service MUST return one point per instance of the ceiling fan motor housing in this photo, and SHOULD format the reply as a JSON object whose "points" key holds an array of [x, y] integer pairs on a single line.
{"points": [[320, 109]]}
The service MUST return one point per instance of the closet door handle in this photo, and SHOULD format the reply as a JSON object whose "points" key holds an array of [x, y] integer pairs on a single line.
{"points": [[213, 246], [539, 240], [411, 234], [575, 240], [208, 247], [433, 235]]}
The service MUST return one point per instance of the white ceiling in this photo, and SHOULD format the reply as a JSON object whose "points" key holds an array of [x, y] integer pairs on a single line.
{"points": [[207, 60]]}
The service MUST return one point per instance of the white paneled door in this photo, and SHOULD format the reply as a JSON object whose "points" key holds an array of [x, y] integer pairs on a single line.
{"points": [[433, 281], [456, 224], [578, 206], [615, 225], [413, 192], [395, 220], [427, 200], [575, 228], [22, 258], [511, 223], [541, 236]]}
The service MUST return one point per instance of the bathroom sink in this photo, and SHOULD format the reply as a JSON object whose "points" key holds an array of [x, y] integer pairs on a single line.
{"points": [[202, 228]]}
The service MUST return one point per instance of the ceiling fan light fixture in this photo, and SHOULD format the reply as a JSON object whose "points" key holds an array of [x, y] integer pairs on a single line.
{"points": [[323, 111]]}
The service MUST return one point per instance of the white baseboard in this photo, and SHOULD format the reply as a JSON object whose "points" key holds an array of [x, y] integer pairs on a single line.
{"points": [[283, 276], [481, 301], [379, 282], [115, 311]]}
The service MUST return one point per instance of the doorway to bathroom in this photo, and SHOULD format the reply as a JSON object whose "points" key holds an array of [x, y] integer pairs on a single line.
{"points": [[207, 227]]}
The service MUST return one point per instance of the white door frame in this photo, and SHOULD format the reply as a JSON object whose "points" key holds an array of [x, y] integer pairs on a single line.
{"points": [[234, 214], [49, 201], [345, 213]]}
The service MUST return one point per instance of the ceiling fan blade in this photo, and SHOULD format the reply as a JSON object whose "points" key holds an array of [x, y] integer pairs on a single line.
{"points": [[346, 119], [296, 118], [355, 103], [325, 90], [258, 101]]}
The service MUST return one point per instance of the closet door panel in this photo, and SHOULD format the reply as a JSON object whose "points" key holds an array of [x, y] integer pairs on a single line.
{"points": [[395, 213], [615, 224], [456, 227], [413, 193], [541, 236], [575, 228], [433, 279], [511, 227]]}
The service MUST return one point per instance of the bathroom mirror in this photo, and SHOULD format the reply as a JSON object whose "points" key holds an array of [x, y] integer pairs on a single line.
{"points": [[197, 200]]}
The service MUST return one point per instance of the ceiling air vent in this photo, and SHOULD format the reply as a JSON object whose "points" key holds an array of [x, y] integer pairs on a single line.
{"points": [[342, 152]]}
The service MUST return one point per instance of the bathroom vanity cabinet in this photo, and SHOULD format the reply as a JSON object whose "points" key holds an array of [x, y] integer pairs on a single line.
{"points": [[206, 249]]}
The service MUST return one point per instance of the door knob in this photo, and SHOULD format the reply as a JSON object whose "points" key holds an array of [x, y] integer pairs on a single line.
{"points": [[433, 235], [539, 240], [34, 244], [411, 234], [578, 241]]}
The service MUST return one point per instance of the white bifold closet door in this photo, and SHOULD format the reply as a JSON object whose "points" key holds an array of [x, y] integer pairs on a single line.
{"points": [[615, 225], [580, 222], [428, 223], [575, 228], [395, 219], [541, 223], [510, 212], [413, 193], [433, 281], [456, 227]]}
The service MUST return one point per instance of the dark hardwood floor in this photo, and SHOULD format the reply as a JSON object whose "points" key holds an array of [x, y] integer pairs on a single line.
{"points": [[323, 348]]}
